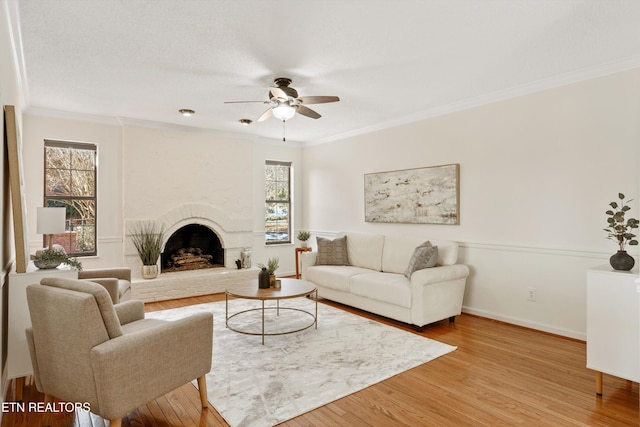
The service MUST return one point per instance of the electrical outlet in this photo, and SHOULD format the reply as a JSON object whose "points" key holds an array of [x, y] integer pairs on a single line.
{"points": [[532, 294]]}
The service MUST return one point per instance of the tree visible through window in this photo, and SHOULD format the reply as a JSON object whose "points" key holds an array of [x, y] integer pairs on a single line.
{"points": [[70, 182], [278, 202]]}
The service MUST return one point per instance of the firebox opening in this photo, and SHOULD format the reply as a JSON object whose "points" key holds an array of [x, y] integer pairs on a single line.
{"points": [[192, 247]]}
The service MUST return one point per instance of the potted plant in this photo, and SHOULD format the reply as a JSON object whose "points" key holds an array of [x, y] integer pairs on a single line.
{"points": [[620, 231], [52, 257], [303, 236], [272, 266], [147, 237]]}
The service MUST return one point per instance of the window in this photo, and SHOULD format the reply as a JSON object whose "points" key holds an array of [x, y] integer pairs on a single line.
{"points": [[278, 202], [70, 181]]}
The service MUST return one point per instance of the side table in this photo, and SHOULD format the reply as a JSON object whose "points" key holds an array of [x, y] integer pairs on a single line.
{"points": [[612, 324], [18, 357], [298, 250]]}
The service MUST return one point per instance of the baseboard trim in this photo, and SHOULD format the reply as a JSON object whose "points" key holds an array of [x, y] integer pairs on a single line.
{"points": [[577, 335]]}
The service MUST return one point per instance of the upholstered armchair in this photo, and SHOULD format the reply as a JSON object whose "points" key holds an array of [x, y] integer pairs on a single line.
{"points": [[85, 349], [117, 281]]}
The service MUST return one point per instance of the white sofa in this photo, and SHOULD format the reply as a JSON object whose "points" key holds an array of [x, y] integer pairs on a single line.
{"points": [[374, 280]]}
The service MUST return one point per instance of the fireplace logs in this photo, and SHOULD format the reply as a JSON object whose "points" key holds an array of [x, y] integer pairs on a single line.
{"points": [[190, 259]]}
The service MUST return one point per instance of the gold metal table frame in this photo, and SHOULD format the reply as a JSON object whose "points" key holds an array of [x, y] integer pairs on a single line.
{"points": [[290, 288]]}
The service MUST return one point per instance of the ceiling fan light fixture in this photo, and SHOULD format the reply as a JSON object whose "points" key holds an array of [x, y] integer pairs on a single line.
{"points": [[283, 111], [186, 112]]}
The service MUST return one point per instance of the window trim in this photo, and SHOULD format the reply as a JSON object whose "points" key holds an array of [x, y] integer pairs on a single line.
{"points": [[289, 165], [78, 146]]}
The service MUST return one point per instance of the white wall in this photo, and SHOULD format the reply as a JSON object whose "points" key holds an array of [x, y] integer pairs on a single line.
{"points": [[166, 168], [537, 174], [107, 135], [145, 171]]}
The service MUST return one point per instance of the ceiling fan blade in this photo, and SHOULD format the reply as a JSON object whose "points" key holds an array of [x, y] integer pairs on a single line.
{"points": [[305, 111], [318, 99], [244, 102], [276, 92], [266, 115]]}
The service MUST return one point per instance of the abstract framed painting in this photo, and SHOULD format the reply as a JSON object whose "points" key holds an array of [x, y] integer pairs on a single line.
{"points": [[429, 195]]}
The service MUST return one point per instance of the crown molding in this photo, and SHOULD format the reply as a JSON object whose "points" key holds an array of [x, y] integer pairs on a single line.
{"points": [[69, 115], [128, 121]]}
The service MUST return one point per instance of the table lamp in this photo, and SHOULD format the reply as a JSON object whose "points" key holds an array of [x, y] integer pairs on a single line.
{"points": [[51, 221]]}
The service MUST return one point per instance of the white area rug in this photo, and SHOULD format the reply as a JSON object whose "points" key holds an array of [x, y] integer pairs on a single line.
{"points": [[254, 385]]}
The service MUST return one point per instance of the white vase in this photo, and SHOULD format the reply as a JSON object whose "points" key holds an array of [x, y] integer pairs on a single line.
{"points": [[303, 244], [149, 271], [245, 258]]}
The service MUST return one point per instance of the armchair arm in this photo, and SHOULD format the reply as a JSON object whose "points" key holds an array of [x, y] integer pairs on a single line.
{"points": [[129, 311], [112, 287], [134, 368], [122, 273], [443, 273], [307, 259], [437, 293]]}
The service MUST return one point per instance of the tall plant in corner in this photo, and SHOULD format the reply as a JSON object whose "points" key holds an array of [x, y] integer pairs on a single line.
{"points": [[147, 237], [620, 231]]}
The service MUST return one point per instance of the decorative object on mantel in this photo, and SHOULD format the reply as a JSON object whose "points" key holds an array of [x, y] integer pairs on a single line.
{"points": [[303, 236], [620, 232], [53, 256], [272, 266], [429, 195], [245, 257], [147, 237]]}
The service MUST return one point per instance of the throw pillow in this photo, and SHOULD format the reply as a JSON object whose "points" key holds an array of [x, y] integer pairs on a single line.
{"points": [[332, 252], [424, 256]]}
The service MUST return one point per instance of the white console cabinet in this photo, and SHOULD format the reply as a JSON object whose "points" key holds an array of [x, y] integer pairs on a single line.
{"points": [[18, 358], [613, 324]]}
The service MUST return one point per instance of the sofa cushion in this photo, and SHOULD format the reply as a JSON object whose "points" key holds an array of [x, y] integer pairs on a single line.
{"points": [[447, 251], [386, 287], [398, 251], [333, 277], [424, 256], [365, 250], [332, 252]]}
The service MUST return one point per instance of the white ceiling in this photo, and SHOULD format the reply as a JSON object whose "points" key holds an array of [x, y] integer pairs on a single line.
{"points": [[389, 61]]}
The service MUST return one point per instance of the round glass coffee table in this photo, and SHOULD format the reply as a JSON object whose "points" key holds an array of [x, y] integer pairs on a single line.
{"points": [[289, 288]]}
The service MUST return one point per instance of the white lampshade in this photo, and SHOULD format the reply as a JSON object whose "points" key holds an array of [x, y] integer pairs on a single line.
{"points": [[51, 220], [283, 111]]}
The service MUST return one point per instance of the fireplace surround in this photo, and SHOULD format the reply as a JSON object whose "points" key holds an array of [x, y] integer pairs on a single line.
{"points": [[217, 234]]}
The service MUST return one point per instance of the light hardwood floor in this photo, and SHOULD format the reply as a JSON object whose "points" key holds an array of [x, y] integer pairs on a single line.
{"points": [[500, 375]]}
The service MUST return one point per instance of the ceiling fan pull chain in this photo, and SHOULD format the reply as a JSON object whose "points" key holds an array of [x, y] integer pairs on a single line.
{"points": [[283, 129]]}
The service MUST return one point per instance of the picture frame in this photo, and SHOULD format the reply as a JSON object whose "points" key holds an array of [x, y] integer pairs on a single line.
{"points": [[16, 182], [429, 195]]}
